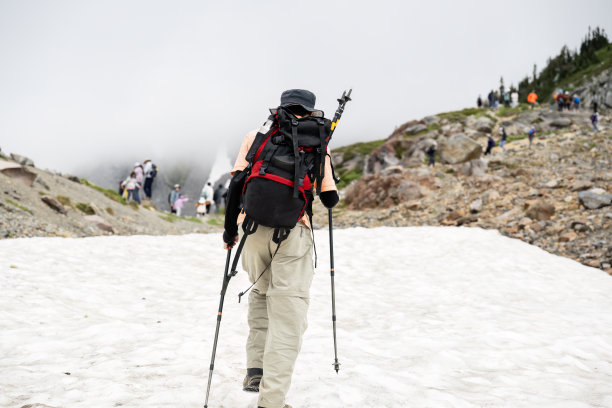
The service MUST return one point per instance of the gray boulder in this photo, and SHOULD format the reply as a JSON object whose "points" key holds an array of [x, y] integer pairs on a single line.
{"points": [[561, 122], [24, 161], [595, 198], [475, 168], [413, 130], [483, 124], [608, 100], [381, 158], [458, 149], [431, 120]]}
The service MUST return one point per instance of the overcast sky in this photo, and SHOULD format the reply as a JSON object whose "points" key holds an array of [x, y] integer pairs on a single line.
{"points": [[85, 81]]}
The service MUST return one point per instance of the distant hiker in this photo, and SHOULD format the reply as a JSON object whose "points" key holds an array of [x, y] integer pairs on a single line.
{"points": [[507, 99], [560, 101], [532, 98], [594, 120], [479, 102], [179, 203], [531, 134], [576, 102], [279, 300], [490, 145], [150, 171], [172, 197], [140, 178], [595, 102], [201, 208], [568, 100], [131, 187], [491, 100], [218, 197], [504, 137], [207, 195], [431, 153], [514, 96]]}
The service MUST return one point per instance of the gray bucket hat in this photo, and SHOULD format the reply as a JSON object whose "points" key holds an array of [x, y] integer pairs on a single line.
{"points": [[301, 97]]}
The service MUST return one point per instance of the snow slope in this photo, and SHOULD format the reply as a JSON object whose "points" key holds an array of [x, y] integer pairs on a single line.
{"points": [[427, 317]]}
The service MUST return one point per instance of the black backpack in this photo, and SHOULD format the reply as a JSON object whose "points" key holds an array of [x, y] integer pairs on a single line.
{"points": [[153, 170], [286, 158]]}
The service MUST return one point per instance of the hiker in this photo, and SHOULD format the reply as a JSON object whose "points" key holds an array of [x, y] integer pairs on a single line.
{"points": [[200, 208], [139, 178], [174, 194], [531, 135], [507, 99], [131, 187], [595, 102], [491, 99], [431, 152], [179, 203], [207, 195], [504, 136], [532, 98], [150, 171], [479, 102], [560, 101], [576, 102], [279, 300], [514, 96], [594, 120], [568, 100], [490, 145], [218, 197]]}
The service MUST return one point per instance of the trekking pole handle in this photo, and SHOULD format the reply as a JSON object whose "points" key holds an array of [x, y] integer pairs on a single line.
{"points": [[346, 96]]}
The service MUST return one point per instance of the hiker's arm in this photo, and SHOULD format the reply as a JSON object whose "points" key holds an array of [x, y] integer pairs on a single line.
{"points": [[232, 208], [329, 192]]}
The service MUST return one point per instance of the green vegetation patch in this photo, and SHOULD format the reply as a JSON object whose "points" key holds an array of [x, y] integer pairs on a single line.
{"points": [[21, 207], [169, 217], [110, 211], [110, 193], [504, 112], [347, 177], [363, 148], [65, 201], [134, 205], [85, 208], [517, 137], [214, 221], [458, 116]]}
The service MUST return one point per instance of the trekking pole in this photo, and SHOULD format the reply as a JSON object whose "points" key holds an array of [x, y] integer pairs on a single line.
{"points": [[226, 278], [333, 289], [346, 96]]}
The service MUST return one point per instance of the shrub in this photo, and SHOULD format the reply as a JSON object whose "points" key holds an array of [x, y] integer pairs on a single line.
{"points": [[85, 208], [112, 194]]}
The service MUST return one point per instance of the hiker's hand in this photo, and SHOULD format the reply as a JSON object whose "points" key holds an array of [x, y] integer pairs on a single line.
{"points": [[229, 241]]}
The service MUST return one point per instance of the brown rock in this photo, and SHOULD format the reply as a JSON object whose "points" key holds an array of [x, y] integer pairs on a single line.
{"points": [[581, 185], [568, 236], [53, 204], [99, 222], [540, 210]]}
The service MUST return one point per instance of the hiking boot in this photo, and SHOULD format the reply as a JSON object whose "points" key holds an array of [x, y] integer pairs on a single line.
{"points": [[252, 379], [286, 406]]}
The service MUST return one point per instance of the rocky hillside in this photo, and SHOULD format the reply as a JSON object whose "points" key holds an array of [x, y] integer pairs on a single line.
{"points": [[556, 194], [35, 203]]}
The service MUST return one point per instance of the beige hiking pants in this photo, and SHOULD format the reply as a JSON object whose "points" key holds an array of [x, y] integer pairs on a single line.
{"points": [[278, 304]]}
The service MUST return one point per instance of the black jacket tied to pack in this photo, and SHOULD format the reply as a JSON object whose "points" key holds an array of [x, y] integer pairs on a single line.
{"points": [[286, 158]]}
